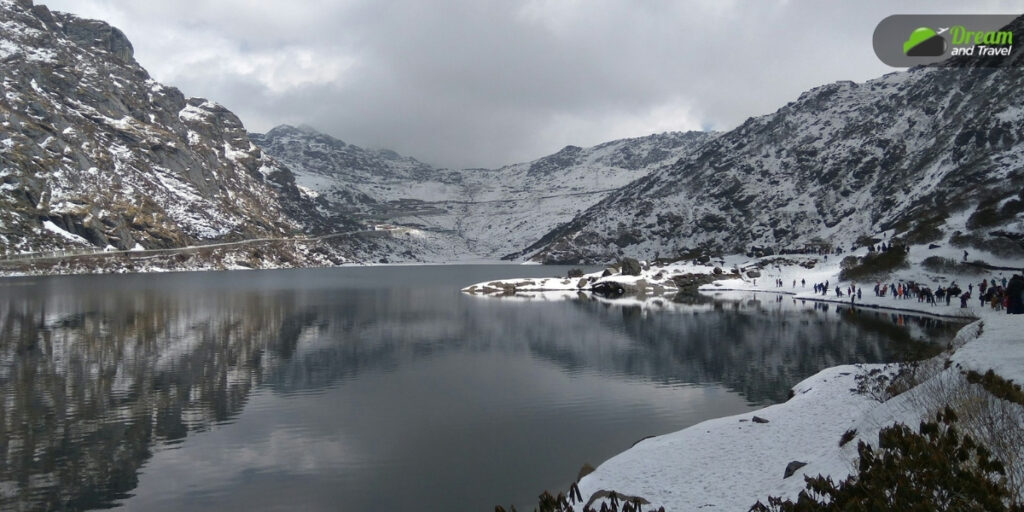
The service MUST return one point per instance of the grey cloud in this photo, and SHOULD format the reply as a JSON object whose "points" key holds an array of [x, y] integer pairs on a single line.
{"points": [[483, 83]]}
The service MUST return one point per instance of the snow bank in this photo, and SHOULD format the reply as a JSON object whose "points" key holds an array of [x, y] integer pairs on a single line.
{"points": [[999, 348], [729, 463]]}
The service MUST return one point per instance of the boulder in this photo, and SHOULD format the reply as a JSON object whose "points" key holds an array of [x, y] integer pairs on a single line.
{"points": [[630, 267], [608, 288], [753, 274], [792, 468]]}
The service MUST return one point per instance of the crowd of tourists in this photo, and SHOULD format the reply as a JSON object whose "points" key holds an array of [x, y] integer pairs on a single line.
{"points": [[998, 294], [1002, 294]]}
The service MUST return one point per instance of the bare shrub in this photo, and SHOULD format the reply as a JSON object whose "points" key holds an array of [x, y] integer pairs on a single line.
{"points": [[995, 423]]}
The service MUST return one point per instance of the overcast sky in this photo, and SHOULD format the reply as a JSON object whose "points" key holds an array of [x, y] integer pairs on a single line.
{"points": [[479, 83]]}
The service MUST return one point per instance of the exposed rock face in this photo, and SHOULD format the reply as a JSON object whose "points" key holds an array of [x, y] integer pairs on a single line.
{"points": [[95, 153], [898, 154], [93, 33]]}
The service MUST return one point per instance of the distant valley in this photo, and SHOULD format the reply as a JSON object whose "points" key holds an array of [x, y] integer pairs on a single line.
{"points": [[482, 214]]}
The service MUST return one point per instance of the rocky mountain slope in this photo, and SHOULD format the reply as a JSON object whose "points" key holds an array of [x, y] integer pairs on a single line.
{"points": [[96, 154], [470, 213], [930, 154]]}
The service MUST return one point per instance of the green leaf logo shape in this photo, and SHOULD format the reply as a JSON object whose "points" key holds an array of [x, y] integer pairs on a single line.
{"points": [[924, 42]]}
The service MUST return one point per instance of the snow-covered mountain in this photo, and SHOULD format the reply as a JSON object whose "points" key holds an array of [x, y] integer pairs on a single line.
{"points": [[470, 213], [94, 153], [921, 154]]}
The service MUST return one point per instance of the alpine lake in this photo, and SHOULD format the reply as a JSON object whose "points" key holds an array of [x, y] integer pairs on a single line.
{"points": [[378, 388]]}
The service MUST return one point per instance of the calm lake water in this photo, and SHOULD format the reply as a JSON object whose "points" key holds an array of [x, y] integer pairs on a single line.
{"points": [[378, 388]]}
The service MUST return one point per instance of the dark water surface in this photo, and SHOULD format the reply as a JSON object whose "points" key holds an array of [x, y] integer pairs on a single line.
{"points": [[379, 388]]}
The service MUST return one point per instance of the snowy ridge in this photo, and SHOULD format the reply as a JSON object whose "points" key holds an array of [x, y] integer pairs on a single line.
{"points": [[843, 161], [482, 213]]}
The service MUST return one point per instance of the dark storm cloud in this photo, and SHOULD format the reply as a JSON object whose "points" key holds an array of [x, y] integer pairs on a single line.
{"points": [[484, 83]]}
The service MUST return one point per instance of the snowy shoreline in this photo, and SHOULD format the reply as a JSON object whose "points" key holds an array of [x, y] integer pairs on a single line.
{"points": [[856, 305], [732, 462]]}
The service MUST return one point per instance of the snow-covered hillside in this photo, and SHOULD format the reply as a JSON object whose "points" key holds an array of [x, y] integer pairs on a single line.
{"points": [[96, 154], [482, 213], [901, 153]]}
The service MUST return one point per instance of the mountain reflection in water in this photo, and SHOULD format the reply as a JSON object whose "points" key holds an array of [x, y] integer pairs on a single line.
{"points": [[99, 373]]}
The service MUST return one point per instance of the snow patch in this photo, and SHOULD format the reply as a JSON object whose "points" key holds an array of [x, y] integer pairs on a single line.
{"points": [[193, 114], [53, 228]]}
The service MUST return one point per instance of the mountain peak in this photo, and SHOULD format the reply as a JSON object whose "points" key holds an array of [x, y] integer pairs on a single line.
{"points": [[303, 131], [36, 29]]}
